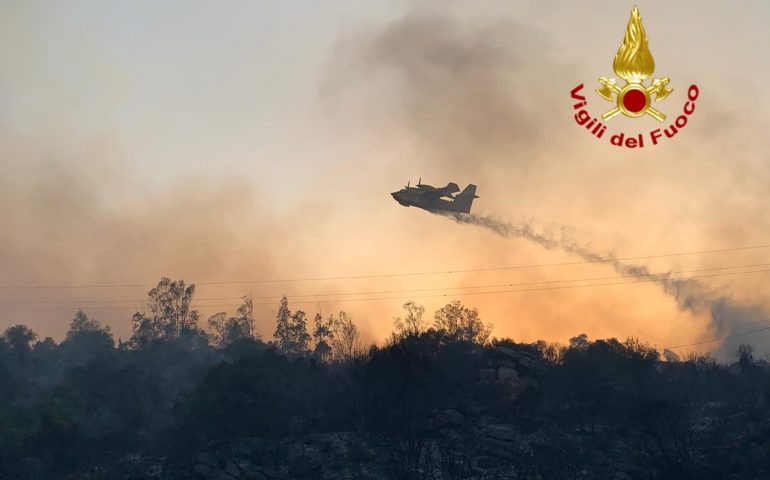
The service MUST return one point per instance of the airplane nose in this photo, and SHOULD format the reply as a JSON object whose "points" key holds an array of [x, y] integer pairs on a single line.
{"points": [[399, 198]]}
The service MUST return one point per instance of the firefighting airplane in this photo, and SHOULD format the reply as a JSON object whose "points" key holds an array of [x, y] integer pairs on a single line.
{"points": [[435, 199]]}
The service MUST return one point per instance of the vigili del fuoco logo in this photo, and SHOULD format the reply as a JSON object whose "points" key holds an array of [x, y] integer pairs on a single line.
{"points": [[633, 64]]}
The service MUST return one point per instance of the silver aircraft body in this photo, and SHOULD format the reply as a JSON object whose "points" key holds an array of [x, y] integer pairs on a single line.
{"points": [[441, 199]]}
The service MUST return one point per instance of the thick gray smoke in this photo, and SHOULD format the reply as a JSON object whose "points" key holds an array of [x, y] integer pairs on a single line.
{"points": [[448, 85], [727, 317]]}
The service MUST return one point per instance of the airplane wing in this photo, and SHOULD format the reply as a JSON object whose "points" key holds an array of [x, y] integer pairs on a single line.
{"points": [[442, 192]]}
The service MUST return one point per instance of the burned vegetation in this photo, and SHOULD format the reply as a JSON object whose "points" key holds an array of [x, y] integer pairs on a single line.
{"points": [[441, 399]]}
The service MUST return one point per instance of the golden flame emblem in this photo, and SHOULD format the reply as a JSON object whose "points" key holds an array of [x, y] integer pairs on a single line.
{"points": [[634, 63]]}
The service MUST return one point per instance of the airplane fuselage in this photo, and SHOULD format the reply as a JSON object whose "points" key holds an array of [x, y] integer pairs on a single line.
{"points": [[436, 199]]}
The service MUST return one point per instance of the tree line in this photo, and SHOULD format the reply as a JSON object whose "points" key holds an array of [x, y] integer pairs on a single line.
{"points": [[439, 399]]}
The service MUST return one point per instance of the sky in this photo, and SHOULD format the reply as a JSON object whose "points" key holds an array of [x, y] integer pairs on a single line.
{"points": [[259, 141]]}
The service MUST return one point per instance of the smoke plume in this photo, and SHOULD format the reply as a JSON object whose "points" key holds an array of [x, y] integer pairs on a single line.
{"points": [[727, 316]]}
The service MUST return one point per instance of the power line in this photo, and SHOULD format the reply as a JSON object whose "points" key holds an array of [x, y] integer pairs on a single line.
{"points": [[458, 294], [728, 337], [637, 281], [665, 275], [128, 300], [388, 275]]}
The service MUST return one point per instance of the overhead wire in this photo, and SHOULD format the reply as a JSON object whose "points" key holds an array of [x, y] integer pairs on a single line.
{"points": [[671, 275], [456, 294], [664, 277], [397, 274], [718, 339]]}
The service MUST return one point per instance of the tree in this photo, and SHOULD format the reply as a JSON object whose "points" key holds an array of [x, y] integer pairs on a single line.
{"points": [[745, 354], [671, 356], [83, 325], [412, 324], [282, 332], [170, 313], [322, 335], [218, 328], [580, 342], [461, 323], [551, 352], [225, 331], [345, 338], [244, 316], [299, 335], [291, 335], [19, 338], [46, 350], [86, 337]]}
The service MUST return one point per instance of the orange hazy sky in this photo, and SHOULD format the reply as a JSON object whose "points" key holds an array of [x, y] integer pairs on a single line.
{"points": [[260, 141]]}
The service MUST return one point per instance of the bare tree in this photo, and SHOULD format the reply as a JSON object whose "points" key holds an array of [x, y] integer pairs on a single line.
{"points": [[345, 338], [244, 315], [552, 352], [412, 324]]}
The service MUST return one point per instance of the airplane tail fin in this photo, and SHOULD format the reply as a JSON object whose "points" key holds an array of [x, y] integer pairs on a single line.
{"points": [[465, 198]]}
